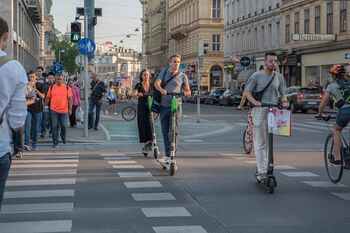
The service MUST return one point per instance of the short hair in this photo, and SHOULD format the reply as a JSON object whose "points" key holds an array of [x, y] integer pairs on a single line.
{"points": [[175, 55], [270, 54], [58, 75], [4, 28], [51, 73], [40, 67]]}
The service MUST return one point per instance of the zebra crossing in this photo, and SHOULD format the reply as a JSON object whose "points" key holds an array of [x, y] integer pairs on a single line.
{"points": [[128, 168], [32, 192]]}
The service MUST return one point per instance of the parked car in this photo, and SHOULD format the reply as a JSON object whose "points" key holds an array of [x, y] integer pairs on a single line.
{"points": [[214, 95], [203, 95], [230, 97], [304, 98]]}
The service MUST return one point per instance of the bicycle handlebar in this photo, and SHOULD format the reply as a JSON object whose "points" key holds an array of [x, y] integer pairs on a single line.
{"points": [[177, 95]]}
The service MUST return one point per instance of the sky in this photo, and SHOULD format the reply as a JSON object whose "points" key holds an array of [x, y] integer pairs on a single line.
{"points": [[119, 18]]}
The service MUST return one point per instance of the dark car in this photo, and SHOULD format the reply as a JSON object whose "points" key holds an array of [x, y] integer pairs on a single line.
{"points": [[202, 97], [304, 98], [230, 98], [214, 96]]}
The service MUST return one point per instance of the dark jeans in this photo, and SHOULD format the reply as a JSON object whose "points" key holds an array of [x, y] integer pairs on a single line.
{"points": [[5, 163], [17, 138], [45, 121], [92, 103], [58, 120], [31, 128], [166, 124], [72, 117]]}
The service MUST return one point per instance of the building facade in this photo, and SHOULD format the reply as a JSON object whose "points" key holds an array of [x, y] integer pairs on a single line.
{"points": [[252, 27], [47, 56], [24, 18], [189, 22], [315, 36], [155, 34]]}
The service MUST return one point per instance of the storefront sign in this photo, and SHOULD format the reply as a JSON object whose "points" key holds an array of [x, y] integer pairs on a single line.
{"points": [[313, 37]]}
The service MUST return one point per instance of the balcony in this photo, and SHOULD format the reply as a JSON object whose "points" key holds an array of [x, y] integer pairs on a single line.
{"points": [[48, 23], [179, 32], [34, 9]]}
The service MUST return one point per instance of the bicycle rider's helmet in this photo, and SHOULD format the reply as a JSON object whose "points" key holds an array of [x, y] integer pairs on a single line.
{"points": [[336, 69]]}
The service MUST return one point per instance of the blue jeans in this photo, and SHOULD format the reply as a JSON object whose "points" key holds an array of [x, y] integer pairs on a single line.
{"points": [[92, 103], [44, 121], [31, 128], [166, 124], [58, 119], [5, 163]]}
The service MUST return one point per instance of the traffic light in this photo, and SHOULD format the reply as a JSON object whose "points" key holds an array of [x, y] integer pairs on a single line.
{"points": [[75, 32], [205, 47]]}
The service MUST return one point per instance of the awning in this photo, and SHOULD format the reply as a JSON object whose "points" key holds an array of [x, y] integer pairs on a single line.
{"points": [[244, 75]]}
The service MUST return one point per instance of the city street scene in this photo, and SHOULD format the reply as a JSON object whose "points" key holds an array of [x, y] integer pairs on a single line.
{"points": [[174, 116]]}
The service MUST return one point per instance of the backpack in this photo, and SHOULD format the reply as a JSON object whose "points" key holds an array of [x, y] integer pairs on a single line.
{"points": [[344, 88]]}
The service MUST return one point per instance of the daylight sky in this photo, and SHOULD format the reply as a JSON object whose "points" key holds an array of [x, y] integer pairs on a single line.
{"points": [[119, 17]]}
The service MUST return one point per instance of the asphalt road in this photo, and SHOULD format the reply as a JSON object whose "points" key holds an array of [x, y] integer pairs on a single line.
{"points": [[112, 187]]}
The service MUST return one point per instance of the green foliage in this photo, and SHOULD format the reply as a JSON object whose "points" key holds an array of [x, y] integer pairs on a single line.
{"points": [[62, 42]]}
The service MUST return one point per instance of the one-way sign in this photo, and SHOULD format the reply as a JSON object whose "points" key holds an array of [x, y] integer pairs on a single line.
{"points": [[347, 55]]}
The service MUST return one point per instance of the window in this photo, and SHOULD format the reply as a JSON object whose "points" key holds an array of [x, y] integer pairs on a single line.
{"points": [[216, 8], [296, 23], [317, 20], [287, 35], [216, 43], [343, 7], [307, 21], [329, 17]]}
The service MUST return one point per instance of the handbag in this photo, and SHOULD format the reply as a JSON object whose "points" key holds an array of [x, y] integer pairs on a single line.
{"points": [[157, 96], [259, 94]]}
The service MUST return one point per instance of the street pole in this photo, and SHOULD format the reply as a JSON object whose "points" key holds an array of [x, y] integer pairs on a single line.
{"points": [[199, 61], [86, 85]]}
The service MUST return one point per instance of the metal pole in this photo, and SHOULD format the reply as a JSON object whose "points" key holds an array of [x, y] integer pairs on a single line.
{"points": [[86, 84], [199, 91], [59, 56]]}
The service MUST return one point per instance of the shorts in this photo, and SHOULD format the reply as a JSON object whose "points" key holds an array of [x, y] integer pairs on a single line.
{"points": [[343, 117], [111, 102]]}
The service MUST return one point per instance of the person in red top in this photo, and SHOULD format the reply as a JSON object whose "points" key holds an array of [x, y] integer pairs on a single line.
{"points": [[60, 98]]}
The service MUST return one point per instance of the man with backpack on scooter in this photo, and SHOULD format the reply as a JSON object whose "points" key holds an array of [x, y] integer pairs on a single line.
{"points": [[340, 89], [177, 82], [266, 85]]}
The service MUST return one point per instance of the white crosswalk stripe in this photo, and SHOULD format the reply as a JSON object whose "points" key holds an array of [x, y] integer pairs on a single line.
{"points": [[37, 226]]}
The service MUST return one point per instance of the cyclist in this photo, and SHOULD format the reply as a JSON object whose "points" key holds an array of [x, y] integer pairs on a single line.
{"points": [[340, 90], [277, 86]]}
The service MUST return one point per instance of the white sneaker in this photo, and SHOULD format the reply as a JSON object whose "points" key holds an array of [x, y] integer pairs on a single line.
{"points": [[115, 113], [164, 159], [106, 112]]}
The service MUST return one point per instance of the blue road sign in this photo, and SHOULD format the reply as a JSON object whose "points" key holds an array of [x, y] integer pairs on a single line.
{"points": [[57, 68], [86, 46], [347, 55]]}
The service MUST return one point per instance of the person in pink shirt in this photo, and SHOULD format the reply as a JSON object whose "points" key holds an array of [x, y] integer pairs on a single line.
{"points": [[76, 102]]}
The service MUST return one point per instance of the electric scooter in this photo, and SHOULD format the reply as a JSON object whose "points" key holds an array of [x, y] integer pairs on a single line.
{"points": [[154, 146], [171, 164]]}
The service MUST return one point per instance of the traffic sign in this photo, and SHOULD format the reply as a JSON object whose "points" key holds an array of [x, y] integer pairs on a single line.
{"points": [[57, 68], [86, 46], [245, 61], [79, 60], [347, 55]]}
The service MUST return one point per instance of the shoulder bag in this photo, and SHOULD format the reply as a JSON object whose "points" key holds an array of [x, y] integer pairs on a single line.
{"points": [[259, 94]]}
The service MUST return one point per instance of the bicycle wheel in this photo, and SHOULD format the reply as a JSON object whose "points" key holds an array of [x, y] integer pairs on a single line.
{"points": [[129, 113], [247, 142], [334, 172]]}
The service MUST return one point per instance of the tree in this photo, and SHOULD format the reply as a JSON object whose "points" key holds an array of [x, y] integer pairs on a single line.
{"points": [[62, 42]]}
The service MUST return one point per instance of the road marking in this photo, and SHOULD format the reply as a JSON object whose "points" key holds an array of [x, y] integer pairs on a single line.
{"points": [[37, 226], [51, 153], [165, 212], [124, 135], [233, 154], [117, 158], [39, 182], [296, 128], [312, 126], [106, 132], [44, 161], [43, 165], [143, 184], [44, 172], [36, 208], [39, 193], [299, 174], [153, 196], [284, 167], [122, 162], [49, 157], [135, 174], [128, 166], [214, 132], [324, 184], [344, 196], [113, 154], [193, 140], [251, 161], [179, 229]]}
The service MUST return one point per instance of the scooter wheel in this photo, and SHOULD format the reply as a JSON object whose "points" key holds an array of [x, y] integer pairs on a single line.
{"points": [[164, 167], [155, 152], [172, 169], [145, 154], [271, 185]]}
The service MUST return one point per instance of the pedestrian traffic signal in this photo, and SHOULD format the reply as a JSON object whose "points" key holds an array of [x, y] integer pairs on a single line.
{"points": [[205, 47], [75, 32]]}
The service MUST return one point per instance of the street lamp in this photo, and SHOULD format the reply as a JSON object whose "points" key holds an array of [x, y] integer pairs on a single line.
{"points": [[59, 54]]}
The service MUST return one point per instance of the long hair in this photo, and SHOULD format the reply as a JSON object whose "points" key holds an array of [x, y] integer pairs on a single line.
{"points": [[141, 73]]}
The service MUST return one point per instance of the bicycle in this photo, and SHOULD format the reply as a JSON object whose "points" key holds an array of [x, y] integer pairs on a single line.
{"points": [[129, 112], [335, 172]]}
